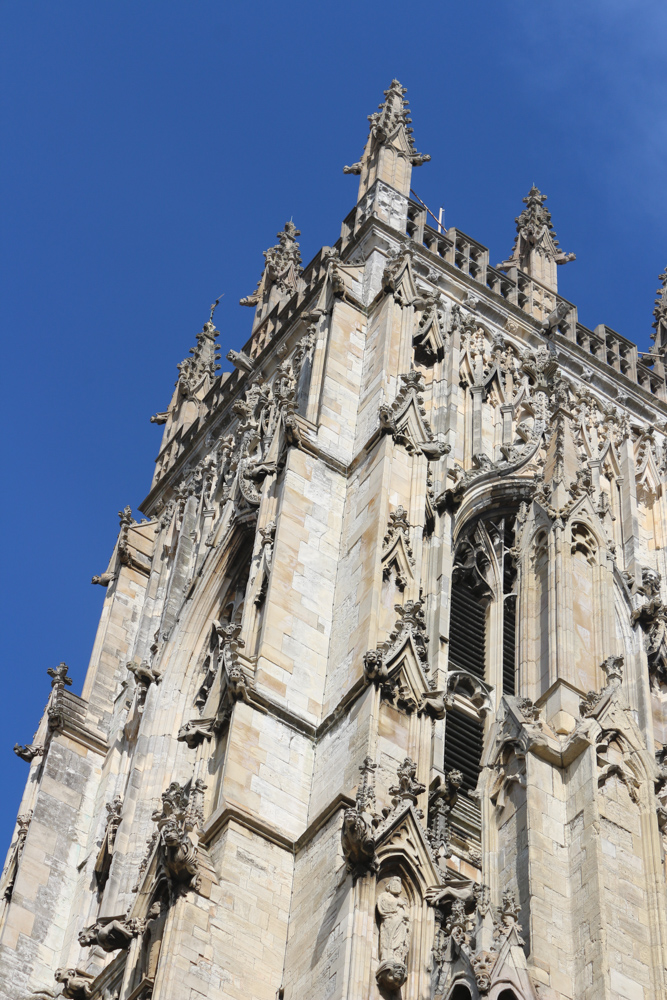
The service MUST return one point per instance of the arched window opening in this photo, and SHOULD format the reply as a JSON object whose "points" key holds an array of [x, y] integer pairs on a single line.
{"points": [[460, 992], [232, 603]]}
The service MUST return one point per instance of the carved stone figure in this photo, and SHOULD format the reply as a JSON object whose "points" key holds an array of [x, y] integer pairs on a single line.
{"points": [[392, 910], [358, 830], [110, 933], [29, 751], [75, 983]]}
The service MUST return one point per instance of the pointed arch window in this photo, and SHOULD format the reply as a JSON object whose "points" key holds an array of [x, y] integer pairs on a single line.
{"points": [[482, 653]]}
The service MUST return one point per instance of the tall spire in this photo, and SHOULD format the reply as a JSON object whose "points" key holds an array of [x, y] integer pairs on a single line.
{"points": [[536, 250], [390, 154]]}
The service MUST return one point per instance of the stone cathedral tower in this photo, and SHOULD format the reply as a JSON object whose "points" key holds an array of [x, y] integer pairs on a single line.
{"points": [[377, 704]]}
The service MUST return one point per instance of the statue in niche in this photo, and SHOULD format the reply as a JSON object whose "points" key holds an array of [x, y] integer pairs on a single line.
{"points": [[392, 910]]}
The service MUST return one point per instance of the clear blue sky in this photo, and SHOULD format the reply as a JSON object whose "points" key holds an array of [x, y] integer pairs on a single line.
{"points": [[152, 150]]}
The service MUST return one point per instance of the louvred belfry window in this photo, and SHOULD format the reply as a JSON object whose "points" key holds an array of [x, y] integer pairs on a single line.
{"points": [[463, 747], [467, 631], [482, 604]]}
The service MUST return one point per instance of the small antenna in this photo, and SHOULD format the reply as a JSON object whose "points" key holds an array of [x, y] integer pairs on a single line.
{"points": [[441, 219], [214, 307]]}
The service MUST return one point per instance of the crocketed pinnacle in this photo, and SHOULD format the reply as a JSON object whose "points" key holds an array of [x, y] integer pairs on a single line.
{"points": [[286, 251], [535, 229], [392, 114], [204, 357], [282, 265], [535, 216]]}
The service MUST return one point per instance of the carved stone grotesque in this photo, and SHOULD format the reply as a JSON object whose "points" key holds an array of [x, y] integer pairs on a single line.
{"points": [[359, 823], [651, 582], [196, 731], [381, 664], [145, 675], [392, 911], [60, 679], [29, 751], [441, 802], [110, 933], [178, 822], [75, 983], [408, 788], [358, 842]]}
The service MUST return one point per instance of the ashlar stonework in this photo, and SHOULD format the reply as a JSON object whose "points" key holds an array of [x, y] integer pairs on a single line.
{"points": [[377, 706]]}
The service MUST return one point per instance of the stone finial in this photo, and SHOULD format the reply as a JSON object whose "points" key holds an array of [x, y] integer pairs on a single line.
{"points": [[60, 676]]}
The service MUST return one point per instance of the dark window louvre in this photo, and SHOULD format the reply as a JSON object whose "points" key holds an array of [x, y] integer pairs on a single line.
{"points": [[467, 628], [509, 644], [463, 746]]}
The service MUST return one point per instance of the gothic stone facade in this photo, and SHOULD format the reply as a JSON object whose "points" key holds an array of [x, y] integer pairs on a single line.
{"points": [[377, 703]]}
